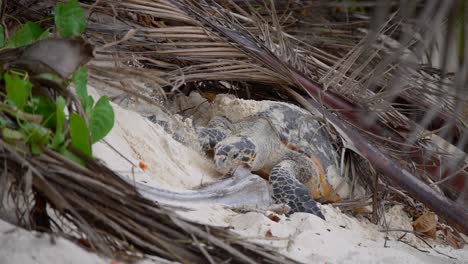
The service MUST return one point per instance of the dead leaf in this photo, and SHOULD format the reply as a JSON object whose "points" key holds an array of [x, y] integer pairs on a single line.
{"points": [[362, 211], [84, 243], [452, 239], [210, 97], [426, 224], [57, 56]]}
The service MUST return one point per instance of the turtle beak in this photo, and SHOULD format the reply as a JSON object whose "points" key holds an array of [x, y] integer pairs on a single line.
{"points": [[224, 165], [242, 169]]}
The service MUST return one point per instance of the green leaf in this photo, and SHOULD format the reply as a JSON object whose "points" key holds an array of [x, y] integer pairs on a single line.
{"points": [[80, 134], [36, 133], [102, 119], [60, 114], [4, 122], [80, 79], [70, 19], [2, 37], [60, 121], [88, 105], [44, 34], [17, 90], [27, 34], [44, 106], [11, 135], [70, 155], [36, 136]]}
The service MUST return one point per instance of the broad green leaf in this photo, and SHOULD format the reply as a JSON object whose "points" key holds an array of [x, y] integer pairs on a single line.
{"points": [[27, 34], [71, 156], [80, 79], [44, 34], [35, 148], [17, 90], [60, 114], [57, 140], [60, 121], [2, 37], [88, 105], [80, 134], [70, 19], [102, 119], [11, 135], [44, 106]]}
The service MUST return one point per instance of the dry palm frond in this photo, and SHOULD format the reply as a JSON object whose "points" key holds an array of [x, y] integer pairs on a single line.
{"points": [[170, 45], [109, 214]]}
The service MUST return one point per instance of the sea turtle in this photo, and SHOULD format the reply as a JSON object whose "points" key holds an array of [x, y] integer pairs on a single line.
{"points": [[284, 142]]}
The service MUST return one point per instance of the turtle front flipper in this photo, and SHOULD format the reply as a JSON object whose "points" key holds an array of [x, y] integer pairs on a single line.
{"points": [[289, 190]]}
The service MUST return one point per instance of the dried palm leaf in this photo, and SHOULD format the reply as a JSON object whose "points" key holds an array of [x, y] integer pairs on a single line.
{"points": [[169, 45]]}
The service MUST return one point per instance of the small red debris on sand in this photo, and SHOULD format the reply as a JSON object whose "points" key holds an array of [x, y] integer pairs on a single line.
{"points": [[274, 218], [143, 165], [84, 243], [268, 234]]}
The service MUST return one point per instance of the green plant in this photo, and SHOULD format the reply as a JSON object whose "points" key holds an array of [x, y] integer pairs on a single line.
{"points": [[41, 121]]}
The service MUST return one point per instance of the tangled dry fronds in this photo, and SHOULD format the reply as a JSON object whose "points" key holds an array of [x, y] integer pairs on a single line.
{"points": [[370, 77], [96, 207]]}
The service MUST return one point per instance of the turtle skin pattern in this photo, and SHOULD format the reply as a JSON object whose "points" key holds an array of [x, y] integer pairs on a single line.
{"points": [[287, 189]]}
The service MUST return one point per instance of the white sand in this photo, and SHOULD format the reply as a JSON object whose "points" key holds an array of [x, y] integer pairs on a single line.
{"points": [[303, 237], [18, 246]]}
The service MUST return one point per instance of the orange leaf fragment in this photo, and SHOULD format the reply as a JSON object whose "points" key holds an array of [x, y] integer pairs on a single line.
{"points": [[210, 97], [426, 224], [452, 239], [143, 165]]}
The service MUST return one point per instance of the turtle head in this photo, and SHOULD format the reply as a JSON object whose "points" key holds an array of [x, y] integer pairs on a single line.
{"points": [[233, 152]]}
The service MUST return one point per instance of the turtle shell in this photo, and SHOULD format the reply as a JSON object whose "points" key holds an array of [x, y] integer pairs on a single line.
{"points": [[301, 132]]}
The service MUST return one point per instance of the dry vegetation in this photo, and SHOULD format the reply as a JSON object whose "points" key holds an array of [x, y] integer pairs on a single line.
{"points": [[367, 68]]}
